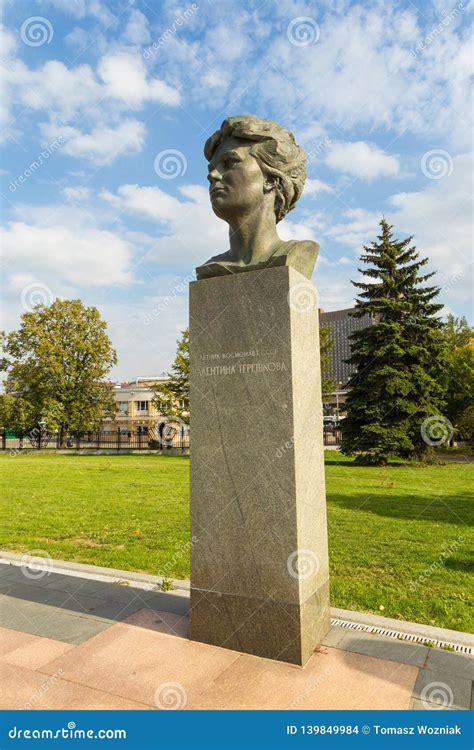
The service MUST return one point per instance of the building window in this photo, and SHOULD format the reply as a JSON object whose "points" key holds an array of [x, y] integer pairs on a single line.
{"points": [[163, 406], [142, 405], [122, 407], [181, 404]]}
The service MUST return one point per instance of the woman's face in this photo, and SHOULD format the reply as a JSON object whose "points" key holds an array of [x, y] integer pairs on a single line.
{"points": [[236, 180]]}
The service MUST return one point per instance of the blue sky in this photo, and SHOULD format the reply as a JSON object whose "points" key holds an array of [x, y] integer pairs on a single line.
{"points": [[108, 103]]}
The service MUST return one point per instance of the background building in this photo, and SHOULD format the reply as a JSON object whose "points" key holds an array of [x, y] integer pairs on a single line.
{"points": [[341, 324], [135, 408]]}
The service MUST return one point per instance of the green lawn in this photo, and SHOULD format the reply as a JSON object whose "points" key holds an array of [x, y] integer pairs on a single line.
{"points": [[399, 536]]}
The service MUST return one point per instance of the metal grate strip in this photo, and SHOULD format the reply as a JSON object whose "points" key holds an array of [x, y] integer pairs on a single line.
{"points": [[399, 634]]}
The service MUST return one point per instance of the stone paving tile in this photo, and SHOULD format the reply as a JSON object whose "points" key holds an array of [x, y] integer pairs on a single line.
{"points": [[136, 664], [80, 594], [384, 648], [162, 601], [49, 622], [447, 661], [36, 652], [22, 688], [332, 679], [116, 611], [417, 705], [36, 593], [334, 637], [442, 688], [99, 589], [12, 639], [11, 573], [163, 622]]}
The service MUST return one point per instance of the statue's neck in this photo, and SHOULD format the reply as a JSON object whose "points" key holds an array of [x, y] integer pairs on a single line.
{"points": [[253, 238]]}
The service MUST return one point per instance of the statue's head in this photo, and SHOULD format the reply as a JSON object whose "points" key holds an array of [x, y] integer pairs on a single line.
{"points": [[251, 162]]}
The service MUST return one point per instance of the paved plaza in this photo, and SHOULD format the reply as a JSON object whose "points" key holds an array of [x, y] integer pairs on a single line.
{"points": [[69, 642]]}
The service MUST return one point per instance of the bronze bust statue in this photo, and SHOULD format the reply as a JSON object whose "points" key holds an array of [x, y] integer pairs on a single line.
{"points": [[256, 174]]}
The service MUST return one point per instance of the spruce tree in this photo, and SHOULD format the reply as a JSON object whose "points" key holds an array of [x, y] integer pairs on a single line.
{"points": [[398, 358]]}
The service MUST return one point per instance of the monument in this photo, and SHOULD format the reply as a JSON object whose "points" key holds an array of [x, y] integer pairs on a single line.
{"points": [[259, 567]]}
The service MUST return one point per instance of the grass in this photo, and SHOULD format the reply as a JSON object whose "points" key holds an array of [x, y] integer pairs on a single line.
{"points": [[399, 536]]}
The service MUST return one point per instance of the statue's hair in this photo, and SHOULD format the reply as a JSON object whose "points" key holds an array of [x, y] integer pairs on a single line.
{"points": [[276, 152]]}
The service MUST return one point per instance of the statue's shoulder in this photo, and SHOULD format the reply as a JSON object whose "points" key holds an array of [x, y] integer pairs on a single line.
{"points": [[302, 255], [215, 266]]}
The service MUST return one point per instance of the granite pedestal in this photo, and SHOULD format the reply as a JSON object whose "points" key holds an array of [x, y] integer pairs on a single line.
{"points": [[259, 560]]}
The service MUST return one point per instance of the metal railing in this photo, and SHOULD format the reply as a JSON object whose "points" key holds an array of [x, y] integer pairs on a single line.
{"points": [[332, 438], [169, 439]]}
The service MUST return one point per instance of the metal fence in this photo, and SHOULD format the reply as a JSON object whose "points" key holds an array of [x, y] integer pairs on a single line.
{"points": [[332, 438], [171, 439]]}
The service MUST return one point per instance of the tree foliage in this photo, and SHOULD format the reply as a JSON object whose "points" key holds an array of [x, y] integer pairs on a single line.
{"points": [[399, 359], [172, 398], [56, 364], [458, 376]]}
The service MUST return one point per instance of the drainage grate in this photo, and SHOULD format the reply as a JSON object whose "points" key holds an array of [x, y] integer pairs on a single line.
{"points": [[399, 634]]}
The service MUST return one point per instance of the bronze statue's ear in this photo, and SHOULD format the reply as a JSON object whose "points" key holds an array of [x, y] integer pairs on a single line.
{"points": [[269, 185]]}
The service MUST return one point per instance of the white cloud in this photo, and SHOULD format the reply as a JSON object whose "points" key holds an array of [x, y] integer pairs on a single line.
{"points": [[359, 228], [102, 144], [137, 30], [361, 159], [125, 80], [291, 230], [79, 193], [190, 232], [58, 254], [82, 9], [314, 186], [97, 99], [149, 201], [441, 220], [55, 88], [360, 72]]}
